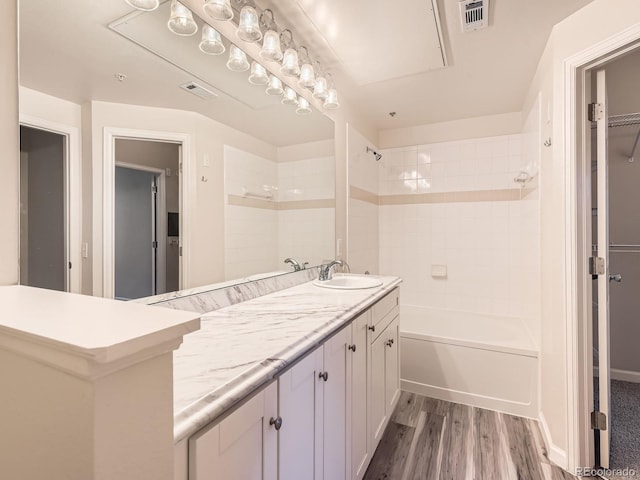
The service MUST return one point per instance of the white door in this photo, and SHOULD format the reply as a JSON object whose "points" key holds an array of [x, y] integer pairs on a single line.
{"points": [[334, 403], [243, 446], [377, 390], [392, 373], [358, 399], [298, 389], [603, 253]]}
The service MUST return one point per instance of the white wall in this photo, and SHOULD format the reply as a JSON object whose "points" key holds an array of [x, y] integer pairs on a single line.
{"points": [[9, 140], [594, 23]]}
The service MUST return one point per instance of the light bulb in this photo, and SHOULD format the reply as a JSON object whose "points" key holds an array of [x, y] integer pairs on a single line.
{"points": [[271, 47], [274, 87], [290, 63], [237, 60], [303, 106], [290, 96], [145, 5], [258, 74], [320, 88], [307, 76], [218, 9], [181, 21], [211, 42], [331, 102], [248, 28]]}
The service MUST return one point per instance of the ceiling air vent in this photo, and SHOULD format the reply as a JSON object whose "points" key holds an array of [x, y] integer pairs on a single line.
{"points": [[199, 90], [474, 14]]}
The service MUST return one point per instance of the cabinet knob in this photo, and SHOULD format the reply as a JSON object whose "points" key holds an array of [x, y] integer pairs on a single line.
{"points": [[276, 422], [324, 376], [390, 342], [372, 328], [352, 348]]}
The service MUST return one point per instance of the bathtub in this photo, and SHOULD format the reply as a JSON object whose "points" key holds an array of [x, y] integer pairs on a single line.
{"points": [[481, 360]]}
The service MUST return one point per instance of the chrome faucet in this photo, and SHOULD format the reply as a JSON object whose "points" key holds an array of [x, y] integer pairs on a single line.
{"points": [[326, 271], [294, 263]]}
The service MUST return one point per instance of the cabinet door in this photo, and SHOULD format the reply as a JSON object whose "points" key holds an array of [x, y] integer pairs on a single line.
{"points": [[392, 373], [298, 388], [335, 411], [357, 404], [243, 446], [377, 390]]}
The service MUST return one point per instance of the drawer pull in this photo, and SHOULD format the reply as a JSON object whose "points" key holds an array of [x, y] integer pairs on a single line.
{"points": [[276, 422], [372, 328], [352, 348], [390, 342], [324, 376]]}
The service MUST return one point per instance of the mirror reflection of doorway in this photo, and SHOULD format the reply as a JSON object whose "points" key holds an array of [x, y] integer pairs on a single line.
{"points": [[44, 259], [146, 194]]}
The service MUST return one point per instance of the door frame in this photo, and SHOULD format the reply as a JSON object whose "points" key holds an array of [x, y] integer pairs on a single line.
{"points": [[576, 148], [187, 199], [160, 222], [72, 194]]}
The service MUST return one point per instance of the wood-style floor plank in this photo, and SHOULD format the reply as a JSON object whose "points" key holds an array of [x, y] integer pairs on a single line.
{"points": [[522, 447], [425, 453], [457, 444], [409, 407], [390, 458], [430, 439]]}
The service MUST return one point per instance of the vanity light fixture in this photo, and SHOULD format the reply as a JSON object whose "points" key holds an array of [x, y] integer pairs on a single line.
{"points": [[144, 5], [181, 21], [320, 87], [274, 87], [248, 27], [290, 65], [211, 43], [307, 75], [290, 96], [304, 108], [331, 101], [270, 50], [218, 9], [258, 75], [237, 60]]}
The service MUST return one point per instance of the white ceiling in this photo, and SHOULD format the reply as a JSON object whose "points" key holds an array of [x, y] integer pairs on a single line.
{"points": [[384, 57], [488, 70]]}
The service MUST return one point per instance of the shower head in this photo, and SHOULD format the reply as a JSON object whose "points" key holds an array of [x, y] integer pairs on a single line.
{"points": [[376, 155]]}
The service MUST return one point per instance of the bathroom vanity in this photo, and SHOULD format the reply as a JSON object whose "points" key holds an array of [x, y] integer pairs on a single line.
{"points": [[296, 384]]}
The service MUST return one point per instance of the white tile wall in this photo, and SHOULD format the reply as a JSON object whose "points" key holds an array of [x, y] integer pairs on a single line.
{"points": [[258, 240], [488, 247]]}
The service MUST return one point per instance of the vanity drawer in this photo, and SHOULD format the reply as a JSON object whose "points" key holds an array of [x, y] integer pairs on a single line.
{"points": [[383, 312]]}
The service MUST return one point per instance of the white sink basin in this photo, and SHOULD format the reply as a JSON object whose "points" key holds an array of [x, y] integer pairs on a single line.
{"points": [[350, 282]]}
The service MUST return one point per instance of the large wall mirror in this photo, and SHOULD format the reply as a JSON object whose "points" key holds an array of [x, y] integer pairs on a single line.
{"points": [[185, 173]]}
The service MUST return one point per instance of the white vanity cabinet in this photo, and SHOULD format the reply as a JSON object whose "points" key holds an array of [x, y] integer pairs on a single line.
{"points": [[384, 377], [321, 419], [242, 446], [357, 382]]}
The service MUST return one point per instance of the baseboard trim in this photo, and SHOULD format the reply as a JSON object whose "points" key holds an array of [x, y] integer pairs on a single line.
{"points": [[496, 404], [556, 455], [622, 375]]}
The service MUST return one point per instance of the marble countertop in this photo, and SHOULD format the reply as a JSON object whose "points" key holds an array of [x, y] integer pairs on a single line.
{"points": [[243, 347]]}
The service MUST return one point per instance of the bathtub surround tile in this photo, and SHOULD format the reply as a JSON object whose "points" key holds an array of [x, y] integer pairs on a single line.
{"points": [[456, 442]]}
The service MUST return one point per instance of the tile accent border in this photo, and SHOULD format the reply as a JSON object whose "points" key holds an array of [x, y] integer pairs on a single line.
{"points": [[241, 201], [500, 195]]}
